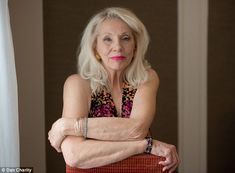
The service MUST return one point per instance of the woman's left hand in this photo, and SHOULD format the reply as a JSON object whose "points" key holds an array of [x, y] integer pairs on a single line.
{"points": [[59, 130], [169, 152]]}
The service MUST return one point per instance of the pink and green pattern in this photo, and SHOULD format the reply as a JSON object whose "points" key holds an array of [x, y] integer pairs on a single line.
{"points": [[102, 104]]}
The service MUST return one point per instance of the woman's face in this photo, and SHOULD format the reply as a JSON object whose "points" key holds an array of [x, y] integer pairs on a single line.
{"points": [[115, 44]]}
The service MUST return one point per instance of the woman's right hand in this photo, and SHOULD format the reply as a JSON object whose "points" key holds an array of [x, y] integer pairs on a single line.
{"points": [[59, 129], [169, 152]]}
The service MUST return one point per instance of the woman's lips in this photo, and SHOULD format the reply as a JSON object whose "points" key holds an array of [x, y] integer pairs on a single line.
{"points": [[118, 58]]}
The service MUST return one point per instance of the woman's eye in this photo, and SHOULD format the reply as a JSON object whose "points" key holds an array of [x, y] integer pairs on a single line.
{"points": [[107, 39], [126, 38]]}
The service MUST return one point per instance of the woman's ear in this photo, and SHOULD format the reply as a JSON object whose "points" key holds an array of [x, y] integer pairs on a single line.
{"points": [[97, 55]]}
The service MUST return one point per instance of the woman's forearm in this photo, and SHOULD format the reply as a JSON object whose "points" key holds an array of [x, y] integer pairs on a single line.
{"points": [[93, 153], [108, 128], [117, 129]]}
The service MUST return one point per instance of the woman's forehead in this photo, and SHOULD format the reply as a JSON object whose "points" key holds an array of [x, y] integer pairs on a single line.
{"points": [[114, 26]]}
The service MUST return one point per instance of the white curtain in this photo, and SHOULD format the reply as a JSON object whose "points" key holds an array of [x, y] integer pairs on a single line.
{"points": [[9, 124]]}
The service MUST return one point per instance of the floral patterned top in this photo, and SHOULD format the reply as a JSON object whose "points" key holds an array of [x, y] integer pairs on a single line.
{"points": [[102, 104]]}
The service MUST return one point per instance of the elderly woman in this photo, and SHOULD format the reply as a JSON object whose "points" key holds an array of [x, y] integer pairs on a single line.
{"points": [[109, 106]]}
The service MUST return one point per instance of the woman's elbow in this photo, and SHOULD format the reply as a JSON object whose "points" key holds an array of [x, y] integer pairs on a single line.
{"points": [[138, 132], [70, 161], [70, 156], [75, 162]]}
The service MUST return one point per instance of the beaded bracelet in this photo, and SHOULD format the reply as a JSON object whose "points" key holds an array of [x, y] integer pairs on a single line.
{"points": [[149, 145]]}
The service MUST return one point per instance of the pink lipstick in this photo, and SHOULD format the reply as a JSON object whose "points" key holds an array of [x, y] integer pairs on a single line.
{"points": [[118, 58]]}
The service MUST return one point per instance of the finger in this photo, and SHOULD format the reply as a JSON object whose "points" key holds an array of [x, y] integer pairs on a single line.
{"points": [[173, 168], [167, 161], [170, 163], [171, 157], [169, 166], [178, 159], [58, 150], [49, 134], [56, 147]]}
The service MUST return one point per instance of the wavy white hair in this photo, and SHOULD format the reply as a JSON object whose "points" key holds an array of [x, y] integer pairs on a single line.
{"points": [[90, 68]]}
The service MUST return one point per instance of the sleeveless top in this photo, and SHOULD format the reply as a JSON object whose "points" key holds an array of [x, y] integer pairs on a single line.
{"points": [[102, 104]]}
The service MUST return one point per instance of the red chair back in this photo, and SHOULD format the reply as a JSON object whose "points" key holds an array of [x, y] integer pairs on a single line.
{"points": [[144, 163]]}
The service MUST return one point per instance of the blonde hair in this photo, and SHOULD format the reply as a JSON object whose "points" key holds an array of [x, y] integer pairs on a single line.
{"points": [[90, 68]]}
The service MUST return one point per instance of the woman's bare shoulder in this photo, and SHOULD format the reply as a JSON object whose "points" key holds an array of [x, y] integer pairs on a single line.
{"points": [[76, 96], [152, 83], [76, 82], [75, 78], [152, 75]]}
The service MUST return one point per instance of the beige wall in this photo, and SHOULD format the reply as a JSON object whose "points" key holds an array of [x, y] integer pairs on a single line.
{"points": [[26, 22], [192, 85]]}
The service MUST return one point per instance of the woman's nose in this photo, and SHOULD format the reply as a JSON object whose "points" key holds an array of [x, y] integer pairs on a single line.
{"points": [[117, 46]]}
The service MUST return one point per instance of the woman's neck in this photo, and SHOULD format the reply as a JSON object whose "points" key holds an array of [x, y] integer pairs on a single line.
{"points": [[116, 79]]}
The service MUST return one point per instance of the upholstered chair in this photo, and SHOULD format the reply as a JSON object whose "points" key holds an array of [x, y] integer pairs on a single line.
{"points": [[143, 163]]}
